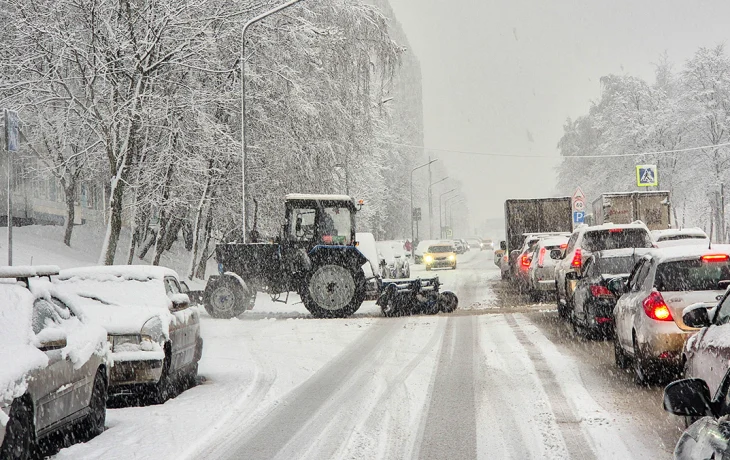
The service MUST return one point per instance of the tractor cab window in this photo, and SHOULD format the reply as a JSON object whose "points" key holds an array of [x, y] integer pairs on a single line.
{"points": [[335, 226], [301, 224]]}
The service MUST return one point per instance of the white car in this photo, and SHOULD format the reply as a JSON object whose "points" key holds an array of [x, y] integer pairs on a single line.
{"points": [[680, 237], [649, 329], [155, 336], [393, 260], [541, 274], [54, 370]]}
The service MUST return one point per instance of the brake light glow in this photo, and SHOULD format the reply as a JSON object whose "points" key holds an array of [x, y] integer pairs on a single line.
{"points": [[600, 291], [577, 261], [616, 230], [715, 258], [564, 245], [656, 308], [525, 261], [541, 257]]}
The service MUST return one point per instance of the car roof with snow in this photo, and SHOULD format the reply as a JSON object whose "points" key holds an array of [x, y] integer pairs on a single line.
{"points": [[658, 235], [611, 226], [127, 272], [670, 254]]}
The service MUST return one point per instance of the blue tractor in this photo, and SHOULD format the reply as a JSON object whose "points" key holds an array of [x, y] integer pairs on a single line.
{"points": [[315, 256]]}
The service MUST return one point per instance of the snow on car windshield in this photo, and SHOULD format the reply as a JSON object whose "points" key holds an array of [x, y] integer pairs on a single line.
{"points": [[691, 275], [618, 238]]}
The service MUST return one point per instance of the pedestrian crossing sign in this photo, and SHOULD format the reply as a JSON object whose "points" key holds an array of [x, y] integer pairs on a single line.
{"points": [[646, 176]]}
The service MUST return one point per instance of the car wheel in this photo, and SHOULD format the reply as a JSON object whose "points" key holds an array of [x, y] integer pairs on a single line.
{"points": [[644, 374], [93, 425], [19, 442], [226, 298], [622, 360]]}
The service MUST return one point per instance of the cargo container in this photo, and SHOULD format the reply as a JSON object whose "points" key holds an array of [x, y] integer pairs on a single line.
{"points": [[652, 208]]}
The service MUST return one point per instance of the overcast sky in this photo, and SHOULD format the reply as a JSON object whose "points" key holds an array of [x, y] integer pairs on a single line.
{"points": [[503, 76]]}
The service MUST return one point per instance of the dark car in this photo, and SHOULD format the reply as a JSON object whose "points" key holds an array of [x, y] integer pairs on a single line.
{"points": [[709, 436], [593, 302]]}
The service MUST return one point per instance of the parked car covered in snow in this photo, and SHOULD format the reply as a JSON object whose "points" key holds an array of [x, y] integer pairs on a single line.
{"points": [[393, 260], [153, 332], [680, 237], [53, 371]]}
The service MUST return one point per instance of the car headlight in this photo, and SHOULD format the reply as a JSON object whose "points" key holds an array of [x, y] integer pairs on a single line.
{"points": [[125, 342], [452, 257], [428, 258], [153, 330]]}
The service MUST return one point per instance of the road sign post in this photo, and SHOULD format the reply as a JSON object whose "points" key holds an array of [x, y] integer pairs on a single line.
{"points": [[12, 144], [578, 205]]}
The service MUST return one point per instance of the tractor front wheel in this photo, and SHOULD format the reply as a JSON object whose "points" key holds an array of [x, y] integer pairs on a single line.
{"points": [[333, 291], [226, 297]]}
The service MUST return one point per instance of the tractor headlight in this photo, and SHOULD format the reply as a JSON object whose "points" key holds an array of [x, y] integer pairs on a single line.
{"points": [[428, 258], [452, 257]]}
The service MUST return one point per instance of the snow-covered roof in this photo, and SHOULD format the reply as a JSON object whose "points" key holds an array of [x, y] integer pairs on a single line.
{"points": [[127, 272], [687, 252], [695, 231], [27, 271], [305, 196], [610, 225]]}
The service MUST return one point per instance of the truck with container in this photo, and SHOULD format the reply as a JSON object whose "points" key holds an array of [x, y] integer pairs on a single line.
{"points": [[652, 208], [539, 215]]}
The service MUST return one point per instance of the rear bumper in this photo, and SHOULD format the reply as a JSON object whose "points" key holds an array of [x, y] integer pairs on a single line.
{"points": [[125, 374], [443, 263], [664, 344], [545, 286]]}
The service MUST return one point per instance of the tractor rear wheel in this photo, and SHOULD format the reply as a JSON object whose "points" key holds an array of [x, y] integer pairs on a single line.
{"points": [[333, 290], [227, 298]]}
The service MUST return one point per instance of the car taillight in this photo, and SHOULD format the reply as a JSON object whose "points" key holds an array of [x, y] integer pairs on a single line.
{"points": [[525, 261], [715, 258], [564, 245], [577, 261], [616, 230], [541, 258], [656, 308], [600, 291]]}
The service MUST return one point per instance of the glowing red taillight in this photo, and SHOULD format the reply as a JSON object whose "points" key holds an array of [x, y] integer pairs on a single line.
{"points": [[577, 261], [541, 257], [600, 291], [525, 261], [715, 258], [656, 308]]}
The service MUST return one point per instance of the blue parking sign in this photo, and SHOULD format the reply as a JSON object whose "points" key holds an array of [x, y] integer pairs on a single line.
{"points": [[579, 217]]}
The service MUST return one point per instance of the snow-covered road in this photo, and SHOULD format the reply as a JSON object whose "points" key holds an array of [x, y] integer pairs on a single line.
{"points": [[497, 379]]}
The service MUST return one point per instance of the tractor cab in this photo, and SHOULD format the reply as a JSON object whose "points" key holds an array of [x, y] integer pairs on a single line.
{"points": [[319, 220]]}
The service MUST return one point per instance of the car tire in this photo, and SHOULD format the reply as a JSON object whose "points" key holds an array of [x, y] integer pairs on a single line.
{"points": [[226, 298], [621, 358], [20, 441], [643, 374], [93, 424], [448, 302]]}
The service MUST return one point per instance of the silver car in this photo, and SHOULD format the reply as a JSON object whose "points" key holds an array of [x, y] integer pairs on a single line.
{"points": [[541, 273], [649, 329], [393, 260], [154, 334], [54, 366]]}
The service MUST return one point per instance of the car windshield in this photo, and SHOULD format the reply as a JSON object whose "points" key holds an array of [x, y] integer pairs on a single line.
{"points": [[439, 249], [616, 238], [616, 265], [691, 275]]}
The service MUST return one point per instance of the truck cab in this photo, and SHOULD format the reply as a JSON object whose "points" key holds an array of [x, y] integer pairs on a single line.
{"points": [[319, 220]]}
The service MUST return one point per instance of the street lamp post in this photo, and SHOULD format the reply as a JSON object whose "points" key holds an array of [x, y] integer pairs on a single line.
{"points": [[441, 225], [413, 248], [446, 201], [243, 103]]}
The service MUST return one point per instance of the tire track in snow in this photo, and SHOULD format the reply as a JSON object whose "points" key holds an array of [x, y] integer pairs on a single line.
{"points": [[569, 423], [295, 411], [449, 427]]}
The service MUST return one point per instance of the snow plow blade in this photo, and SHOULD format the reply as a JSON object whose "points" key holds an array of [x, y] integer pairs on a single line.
{"points": [[415, 296]]}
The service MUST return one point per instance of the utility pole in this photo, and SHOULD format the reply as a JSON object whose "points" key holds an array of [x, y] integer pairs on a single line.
{"points": [[430, 202], [413, 248]]}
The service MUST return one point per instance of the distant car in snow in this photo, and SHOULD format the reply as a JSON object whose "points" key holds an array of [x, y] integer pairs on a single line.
{"points": [[393, 261], [154, 335], [541, 271], [53, 374], [680, 237]]}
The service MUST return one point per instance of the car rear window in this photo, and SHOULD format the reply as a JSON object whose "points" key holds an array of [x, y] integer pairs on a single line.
{"points": [[691, 275], [682, 237], [438, 249], [618, 238], [616, 265]]}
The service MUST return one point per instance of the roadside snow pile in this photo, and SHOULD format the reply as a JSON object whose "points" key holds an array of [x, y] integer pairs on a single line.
{"points": [[17, 354]]}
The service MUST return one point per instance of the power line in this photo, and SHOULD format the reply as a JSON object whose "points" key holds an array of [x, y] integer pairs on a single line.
{"points": [[509, 155]]}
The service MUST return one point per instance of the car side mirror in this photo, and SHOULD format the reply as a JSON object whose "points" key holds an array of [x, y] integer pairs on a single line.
{"points": [[48, 345], [617, 286], [503, 245], [696, 315], [180, 301], [688, 397], [556, 254], [723, 284]]}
